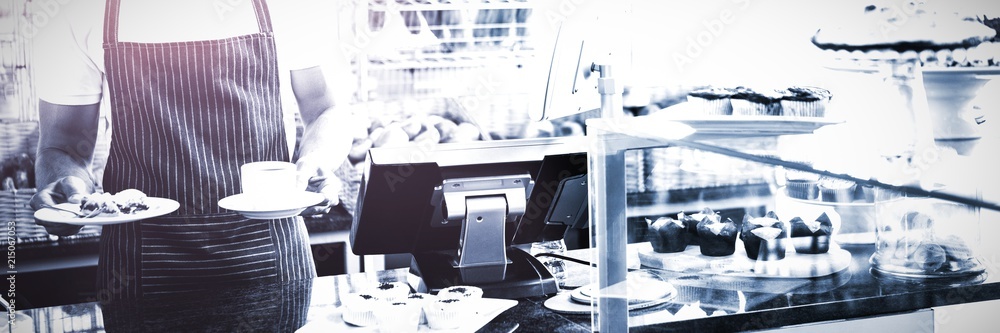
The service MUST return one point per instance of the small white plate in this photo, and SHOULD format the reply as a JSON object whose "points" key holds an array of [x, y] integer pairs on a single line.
{"points": [[157, 207], [275, 207]]}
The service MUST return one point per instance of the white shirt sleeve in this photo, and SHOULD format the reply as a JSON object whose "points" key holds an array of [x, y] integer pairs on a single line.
{"points": [[305, 31], [66, 52]]}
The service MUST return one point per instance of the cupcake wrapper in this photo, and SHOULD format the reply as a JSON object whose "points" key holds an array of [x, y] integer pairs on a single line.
{"points": [[440, 319], [721, 106], [360, 318], [803, 108], [811, 244], [805, 190], [747, 108], [837, 194]]}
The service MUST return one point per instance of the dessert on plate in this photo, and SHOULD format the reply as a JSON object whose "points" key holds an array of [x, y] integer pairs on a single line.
{"points": [[718, 237], [811, 237], [667, 235], [763, 237]]}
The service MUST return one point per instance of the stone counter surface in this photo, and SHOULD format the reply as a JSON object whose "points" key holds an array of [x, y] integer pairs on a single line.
{"points": [[702, 304]]}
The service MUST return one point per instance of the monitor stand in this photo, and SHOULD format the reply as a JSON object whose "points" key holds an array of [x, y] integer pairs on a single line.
{"points": [[484, 205], [522, 276]]}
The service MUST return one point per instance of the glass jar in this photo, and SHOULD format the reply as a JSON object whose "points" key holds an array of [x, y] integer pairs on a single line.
{"points": [[924, 237]]}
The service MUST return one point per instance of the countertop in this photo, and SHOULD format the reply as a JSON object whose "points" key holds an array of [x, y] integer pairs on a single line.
{"points": [[722, 304]]}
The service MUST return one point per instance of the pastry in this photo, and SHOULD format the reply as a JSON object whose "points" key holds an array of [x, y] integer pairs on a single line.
{"points": [[462, 292], [718, 238], [391, 291], [804, 101], [913, 32], [811, 237], [750, 102], [446, 314], [763, 237], [711, 100], [398, 316], [667, 235], [891, 29], [836, 190], [128, 201], [691, 224], [358, 309], [421, 299]]}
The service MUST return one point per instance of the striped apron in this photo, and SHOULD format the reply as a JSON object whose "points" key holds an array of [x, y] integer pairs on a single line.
{"points": [[185, 116]]}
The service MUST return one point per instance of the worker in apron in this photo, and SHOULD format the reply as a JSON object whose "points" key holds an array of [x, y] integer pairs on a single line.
{"points": [[185, 116]]}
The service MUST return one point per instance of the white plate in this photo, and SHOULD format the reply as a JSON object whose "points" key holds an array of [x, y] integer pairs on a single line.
{"points": [[486, 309], [275, 207], [157, 207]]}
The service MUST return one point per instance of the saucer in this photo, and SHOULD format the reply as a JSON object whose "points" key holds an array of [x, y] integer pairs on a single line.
{"points": [[277, 206]]}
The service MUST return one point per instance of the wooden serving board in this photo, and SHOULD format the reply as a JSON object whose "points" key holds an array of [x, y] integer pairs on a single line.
{"points": [[794, 265]]}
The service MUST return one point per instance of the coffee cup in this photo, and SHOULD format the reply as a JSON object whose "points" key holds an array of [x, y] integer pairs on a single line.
{"points": [[268, 178]]}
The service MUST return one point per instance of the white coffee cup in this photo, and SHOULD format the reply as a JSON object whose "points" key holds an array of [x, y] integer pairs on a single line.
{"points": [[270, 178]]}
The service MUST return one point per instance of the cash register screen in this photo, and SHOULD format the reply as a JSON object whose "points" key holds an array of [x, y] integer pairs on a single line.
{"points": [[402, 209]]}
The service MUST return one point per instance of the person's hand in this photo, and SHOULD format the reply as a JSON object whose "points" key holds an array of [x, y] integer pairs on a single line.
{"points": [[67, 189], [314, 177]]}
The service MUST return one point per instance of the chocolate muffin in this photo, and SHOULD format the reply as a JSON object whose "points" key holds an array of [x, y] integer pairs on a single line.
{"points": [[718, 238], [764, 237], [667, 235], [811, 237]]}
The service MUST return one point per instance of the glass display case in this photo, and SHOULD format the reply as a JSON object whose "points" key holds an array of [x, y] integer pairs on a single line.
{"points": [[788, 234]]}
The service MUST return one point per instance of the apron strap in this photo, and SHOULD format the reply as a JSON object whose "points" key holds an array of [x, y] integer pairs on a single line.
{"points": [[263, 20], [111, 10]]}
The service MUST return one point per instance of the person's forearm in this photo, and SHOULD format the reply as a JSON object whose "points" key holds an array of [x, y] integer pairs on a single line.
{"points": [[67, 137], [328, 137]]}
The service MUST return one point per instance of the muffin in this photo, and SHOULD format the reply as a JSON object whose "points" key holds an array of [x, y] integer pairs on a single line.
{"points": [[446, 314], [811, 237], [667, 235], [836, 190], [358, 309], [711, 100], [461, 292], [750, 102], [763, 237], [718, 238], [391, 291], [691, 224], [802, 184], [804, 102], [421, 299], [398, 316]]}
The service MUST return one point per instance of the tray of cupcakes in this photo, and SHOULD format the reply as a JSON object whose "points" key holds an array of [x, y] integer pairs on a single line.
{"points": [[764, 246], [752, 111]]}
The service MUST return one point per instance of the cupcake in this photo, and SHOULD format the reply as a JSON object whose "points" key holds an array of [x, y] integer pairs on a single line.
{"points": [[836, 190], [421, 299], [718, 238], [804, 101], [667, 235], [460, 292], [391, 291], [691, 224], [801, 184], [811, 237], [711, 100], [398, 316], [359, 309], [446, 314], [763, 237], [749, 102]]}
